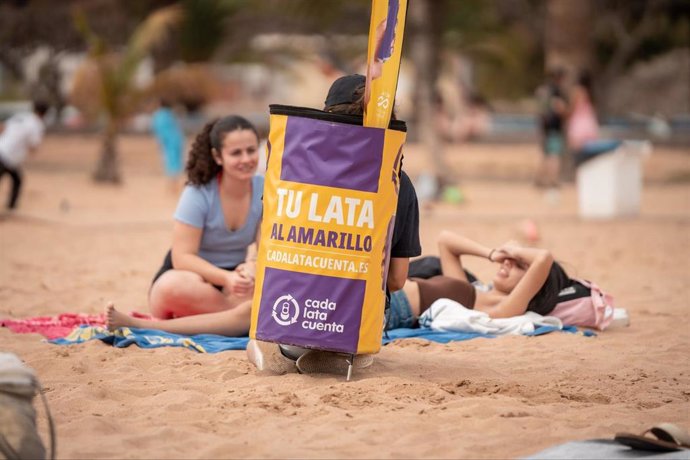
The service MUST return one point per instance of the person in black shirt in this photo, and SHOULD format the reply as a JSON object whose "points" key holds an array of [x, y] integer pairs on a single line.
{"points": [[553, 109], [346, 95]]}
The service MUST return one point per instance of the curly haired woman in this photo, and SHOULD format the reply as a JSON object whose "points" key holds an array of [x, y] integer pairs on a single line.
{"points": [[211, 265]]}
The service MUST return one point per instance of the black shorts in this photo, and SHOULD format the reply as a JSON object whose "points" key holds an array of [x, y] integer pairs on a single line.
{"points": [[168, 265]]}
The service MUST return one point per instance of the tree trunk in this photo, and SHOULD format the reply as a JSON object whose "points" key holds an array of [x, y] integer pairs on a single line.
{"points": [[108, 169], [11, 60], [424, 51], [567, 41], [567, 45], [48, 85]]}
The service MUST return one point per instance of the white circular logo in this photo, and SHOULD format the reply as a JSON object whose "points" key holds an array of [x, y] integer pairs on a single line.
{"points": [[285, 310], [383, 101]]}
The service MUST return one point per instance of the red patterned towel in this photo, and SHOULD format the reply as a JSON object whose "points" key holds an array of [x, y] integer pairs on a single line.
{"points": [[53, 327]]}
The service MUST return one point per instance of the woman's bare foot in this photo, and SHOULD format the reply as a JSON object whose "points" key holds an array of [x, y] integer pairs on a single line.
{"points": [[116, 319]]}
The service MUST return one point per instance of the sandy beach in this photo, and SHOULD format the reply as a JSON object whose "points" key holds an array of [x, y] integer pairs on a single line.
{"points": [[74, 245]]}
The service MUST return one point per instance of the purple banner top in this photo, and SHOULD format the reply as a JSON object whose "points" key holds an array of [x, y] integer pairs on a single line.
{"points": [[385, 46], [312, 311], [332, 154]]}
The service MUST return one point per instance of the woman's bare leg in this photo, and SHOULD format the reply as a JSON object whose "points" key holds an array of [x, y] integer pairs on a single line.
{"points": [[179, 293], [553, 170], [115, 319], [411, 290], [230, 323]]}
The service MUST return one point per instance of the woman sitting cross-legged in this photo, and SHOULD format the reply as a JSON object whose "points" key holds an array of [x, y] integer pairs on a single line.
{"points": [[211, 265]]}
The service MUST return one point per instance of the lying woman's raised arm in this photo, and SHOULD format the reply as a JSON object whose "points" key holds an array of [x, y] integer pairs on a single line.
{"points": [[538, 263], [452, 246]]}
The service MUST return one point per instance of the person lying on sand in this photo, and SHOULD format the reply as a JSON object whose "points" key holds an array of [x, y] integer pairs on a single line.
{"points": [[528, 279]]}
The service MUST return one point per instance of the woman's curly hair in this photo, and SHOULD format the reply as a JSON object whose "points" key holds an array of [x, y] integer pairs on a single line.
{"points": [[201, 166]]}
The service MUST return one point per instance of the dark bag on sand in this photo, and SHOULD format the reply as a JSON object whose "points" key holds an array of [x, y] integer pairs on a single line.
{"points": [[425, 267], [429, 266], [19, 437]]}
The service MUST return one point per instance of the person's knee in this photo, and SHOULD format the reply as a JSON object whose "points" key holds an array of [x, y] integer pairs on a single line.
{"points": [[249, 295], [444, 238], [172, 287], [245, 309]]}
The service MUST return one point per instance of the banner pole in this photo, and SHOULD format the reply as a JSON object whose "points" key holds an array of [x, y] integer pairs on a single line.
{"points": [[386, 31]]}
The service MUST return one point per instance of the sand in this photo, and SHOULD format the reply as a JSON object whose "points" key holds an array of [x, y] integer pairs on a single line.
{"points": [[74, 245]]}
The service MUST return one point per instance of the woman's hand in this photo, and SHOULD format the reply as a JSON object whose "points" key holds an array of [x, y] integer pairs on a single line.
{"points": [[247, 269], [507, 251], [498, 255], [238, 284]]}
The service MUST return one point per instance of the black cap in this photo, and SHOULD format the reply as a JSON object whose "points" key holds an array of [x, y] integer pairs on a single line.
{"points": [[343, 89]]}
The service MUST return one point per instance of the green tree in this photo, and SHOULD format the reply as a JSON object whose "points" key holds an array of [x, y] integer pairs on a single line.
{"points": [[111, 92], [425, 54], [633, 30]]}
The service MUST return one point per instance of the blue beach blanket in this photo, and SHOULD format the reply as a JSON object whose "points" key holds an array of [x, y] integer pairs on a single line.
{"points": [[445, 337], [209, 343], [150, 338]]}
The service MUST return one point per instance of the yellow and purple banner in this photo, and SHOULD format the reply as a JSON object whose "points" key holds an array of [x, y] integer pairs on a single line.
{"points": [[329, 203], [330, 196], [386, 31]]}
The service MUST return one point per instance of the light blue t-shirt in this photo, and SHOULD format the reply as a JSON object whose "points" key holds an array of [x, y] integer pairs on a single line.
{"points": [[200, 207]]}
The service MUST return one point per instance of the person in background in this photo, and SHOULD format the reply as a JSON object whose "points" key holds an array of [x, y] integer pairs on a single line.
{"points": [[23, 133], [166, 128], [553, 107], [582, 126]]}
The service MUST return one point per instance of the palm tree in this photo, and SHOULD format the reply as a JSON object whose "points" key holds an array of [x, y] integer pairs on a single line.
{"points": [[567, 45], [424, 53], [104, 86], [567, 42]]}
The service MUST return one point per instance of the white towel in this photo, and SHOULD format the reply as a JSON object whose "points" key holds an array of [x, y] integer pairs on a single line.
{"points": [[446, 315]]}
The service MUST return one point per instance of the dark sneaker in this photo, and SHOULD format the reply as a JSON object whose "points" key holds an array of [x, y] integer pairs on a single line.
{"points": [[326, 362], [267, 356]]}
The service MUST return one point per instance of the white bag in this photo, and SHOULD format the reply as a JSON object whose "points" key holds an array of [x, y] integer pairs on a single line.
{"points": [[19, 437]]}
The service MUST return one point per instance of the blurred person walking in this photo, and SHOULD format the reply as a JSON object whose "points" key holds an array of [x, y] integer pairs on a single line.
{"points": [[168, 132], [553, 105], [582, 126], [23, 133]]}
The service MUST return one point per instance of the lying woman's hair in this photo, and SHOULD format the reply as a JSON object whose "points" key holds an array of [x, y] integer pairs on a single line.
{"points": [[546, 298], [201, 166]]}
